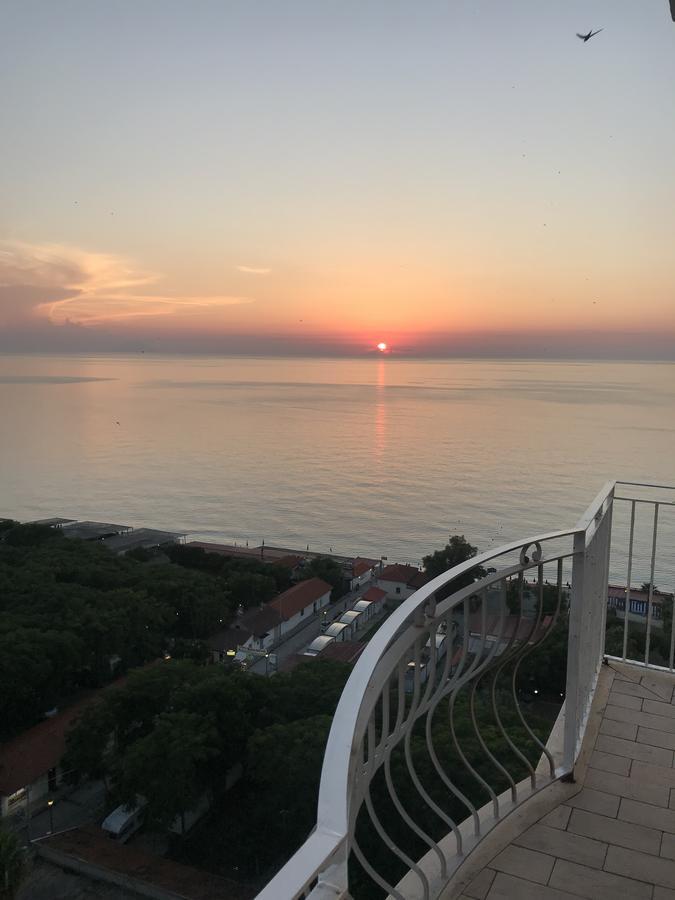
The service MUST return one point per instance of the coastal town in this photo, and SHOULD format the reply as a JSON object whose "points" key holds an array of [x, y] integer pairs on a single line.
{"points": [[294, 612]]}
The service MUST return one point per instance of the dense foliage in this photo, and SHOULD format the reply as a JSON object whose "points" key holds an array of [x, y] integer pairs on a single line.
{"points": [[73, 614], [175, 730]]}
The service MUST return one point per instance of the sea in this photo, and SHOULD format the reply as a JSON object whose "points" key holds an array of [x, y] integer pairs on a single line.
{"points": [[382, 457]]}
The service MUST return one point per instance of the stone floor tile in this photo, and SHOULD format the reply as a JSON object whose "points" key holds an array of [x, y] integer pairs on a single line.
{"points": [[634, 864], [595, 801], [656, 738], [619, 729], [624, 786], [644, 772], [529, 864], [507, 887], [635, 690], [597, 885], [640, 717], [607, 762], [661, 684], [671, 803], [557, 818], [658, 756], [667, 845], [615, 831], [481, 884], [661, 893], [565, 845], [646, 814], [626, 700], [658, 708]]}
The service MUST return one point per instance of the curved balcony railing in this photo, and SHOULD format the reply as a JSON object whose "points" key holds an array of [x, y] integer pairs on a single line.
{"points": [[430, 746]]}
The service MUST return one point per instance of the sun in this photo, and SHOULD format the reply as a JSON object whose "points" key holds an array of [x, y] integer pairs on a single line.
{"points": [[382, 347]]}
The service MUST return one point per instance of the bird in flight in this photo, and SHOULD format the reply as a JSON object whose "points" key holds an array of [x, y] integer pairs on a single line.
{"points": [[587, 37]]}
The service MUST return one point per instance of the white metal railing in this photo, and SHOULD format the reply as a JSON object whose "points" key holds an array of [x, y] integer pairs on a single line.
{"points": [[429, 747]]}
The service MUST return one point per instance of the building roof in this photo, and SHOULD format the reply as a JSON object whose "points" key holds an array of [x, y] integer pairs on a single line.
{"points": [[29, 755], [299, 597], [260, 620], [398, 572], [54, 522], [290, 561], [93, 531], [636, 594], [141, 537], [32, 753], [319, 643], [228, 639], [134, 866], [343, 651], [360, 567], [336, 628], [361, 605], [350, 616], [374, 594]]}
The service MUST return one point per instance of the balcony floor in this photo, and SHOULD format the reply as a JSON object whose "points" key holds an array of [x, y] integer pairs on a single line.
{"points": [[614, 833]]}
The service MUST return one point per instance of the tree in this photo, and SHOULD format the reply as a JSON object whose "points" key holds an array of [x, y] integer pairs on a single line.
{"points": [[456, 551], [328, 570], [13, 866], [168, 766]]}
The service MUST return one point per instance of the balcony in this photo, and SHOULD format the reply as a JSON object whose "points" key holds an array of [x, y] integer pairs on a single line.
{"points": [[448, 773]]}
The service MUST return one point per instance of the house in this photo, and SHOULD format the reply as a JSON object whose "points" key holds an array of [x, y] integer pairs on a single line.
{"points": [[256, 629], [343, 651], [30, 763], [361, 572], [400, 581], [299, 602], [354, 620], [319, 644], [340, 631], [376, 597], [364, 607], [639, 602]]}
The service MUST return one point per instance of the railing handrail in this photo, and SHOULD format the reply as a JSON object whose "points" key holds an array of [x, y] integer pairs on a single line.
{"points": [[333, 813]]}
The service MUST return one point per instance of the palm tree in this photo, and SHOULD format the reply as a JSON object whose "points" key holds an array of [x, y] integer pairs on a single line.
{"points": [[13, 868]]}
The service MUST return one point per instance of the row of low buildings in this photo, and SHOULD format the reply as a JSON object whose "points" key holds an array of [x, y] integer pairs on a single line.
{"points": [[263, 628]]}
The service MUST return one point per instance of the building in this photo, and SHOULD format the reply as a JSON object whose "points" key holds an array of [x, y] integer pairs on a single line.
{"points": [[299, 602], [376, 597], [400, 581], [256, 629], [639, 603], [363, 570], [30, 763]]}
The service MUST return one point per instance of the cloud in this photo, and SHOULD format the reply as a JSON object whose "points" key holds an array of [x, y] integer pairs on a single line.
{"points": [[59, 285], [253, 271]]}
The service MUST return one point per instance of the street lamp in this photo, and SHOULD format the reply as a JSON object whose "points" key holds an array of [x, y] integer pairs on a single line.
{"points": [[50, 804]]}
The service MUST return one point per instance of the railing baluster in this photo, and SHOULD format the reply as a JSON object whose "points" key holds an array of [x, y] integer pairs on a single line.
{"points": [[650, 595], [629, 574]]}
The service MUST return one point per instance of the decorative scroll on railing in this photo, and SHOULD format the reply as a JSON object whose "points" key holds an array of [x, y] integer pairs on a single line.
{"points": [[436, 738]]}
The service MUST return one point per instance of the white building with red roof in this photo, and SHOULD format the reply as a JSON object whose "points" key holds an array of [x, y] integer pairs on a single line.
{"points": [[300, 602]]}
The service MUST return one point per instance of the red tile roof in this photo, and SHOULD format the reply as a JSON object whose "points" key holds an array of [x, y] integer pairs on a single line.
{"points": [[374, 594], [29, 755], [89, 843], [298, 597], [32, 753], [343, 651], [399, 573], [360, 567]]}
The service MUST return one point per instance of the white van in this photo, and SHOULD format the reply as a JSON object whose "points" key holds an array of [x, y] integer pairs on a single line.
{"points": [[125, 821]]}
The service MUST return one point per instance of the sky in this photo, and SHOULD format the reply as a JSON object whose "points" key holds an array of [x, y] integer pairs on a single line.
{"points": [[451, 177]]}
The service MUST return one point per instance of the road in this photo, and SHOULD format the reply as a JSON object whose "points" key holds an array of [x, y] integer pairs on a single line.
{"points": [[301, 639]]}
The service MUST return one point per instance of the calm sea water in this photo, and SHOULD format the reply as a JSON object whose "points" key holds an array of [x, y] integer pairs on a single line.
{"points": [[378, 456]]}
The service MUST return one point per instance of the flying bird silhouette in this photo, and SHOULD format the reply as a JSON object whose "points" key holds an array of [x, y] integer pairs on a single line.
{"points": [[587, 37]]}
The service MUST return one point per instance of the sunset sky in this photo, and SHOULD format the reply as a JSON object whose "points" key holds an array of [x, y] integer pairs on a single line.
{"points": [[455, 177]]}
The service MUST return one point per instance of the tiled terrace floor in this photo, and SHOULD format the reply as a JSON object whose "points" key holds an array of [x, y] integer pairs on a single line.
{"points": [[615, 838]]}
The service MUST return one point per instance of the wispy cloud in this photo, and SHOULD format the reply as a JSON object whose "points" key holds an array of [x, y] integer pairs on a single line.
{"points": [[252, 270], [64, 284]]}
